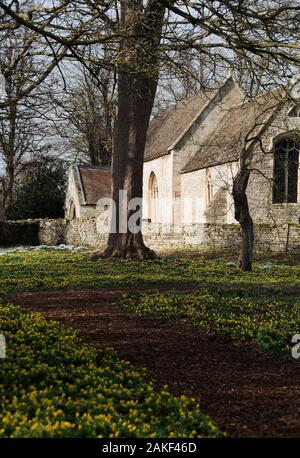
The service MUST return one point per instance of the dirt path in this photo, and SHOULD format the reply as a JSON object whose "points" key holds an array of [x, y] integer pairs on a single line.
{"points": [[246, 392]]}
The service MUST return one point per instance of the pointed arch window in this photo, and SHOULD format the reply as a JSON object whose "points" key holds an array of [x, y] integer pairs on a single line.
{"points": [[153, 197], [286, 170], [209, 187], [72, 210]]}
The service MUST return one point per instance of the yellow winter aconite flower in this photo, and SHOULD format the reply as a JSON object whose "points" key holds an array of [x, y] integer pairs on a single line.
{"points": [[66, 424]]}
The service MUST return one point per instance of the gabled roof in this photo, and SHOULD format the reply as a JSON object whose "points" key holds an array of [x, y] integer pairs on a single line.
{"points": [[239, 129], [168, 127], [94, 182]]}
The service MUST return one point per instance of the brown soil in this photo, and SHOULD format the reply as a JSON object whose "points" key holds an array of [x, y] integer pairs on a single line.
{"points": [[249, 394]]}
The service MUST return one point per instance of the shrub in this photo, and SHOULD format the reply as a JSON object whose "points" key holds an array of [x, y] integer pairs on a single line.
{"points": [[40, 191]]}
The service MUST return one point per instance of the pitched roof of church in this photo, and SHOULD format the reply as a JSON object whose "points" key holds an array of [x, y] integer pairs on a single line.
{"points": [[238, 129], [95, 182], [244, 120], [168, 127]]}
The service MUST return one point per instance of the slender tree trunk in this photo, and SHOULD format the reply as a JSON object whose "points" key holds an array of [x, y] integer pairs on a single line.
{"points": [[8, 191], [10, 153], [137, 83], [242, 215]]}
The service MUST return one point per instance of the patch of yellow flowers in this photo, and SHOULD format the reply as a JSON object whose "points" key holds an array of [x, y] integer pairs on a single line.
{"points": [[56, 270], [268, 322], [52, 385]]}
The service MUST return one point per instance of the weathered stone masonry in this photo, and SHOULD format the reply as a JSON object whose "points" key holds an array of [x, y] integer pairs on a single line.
{"points": [[92, 233]]}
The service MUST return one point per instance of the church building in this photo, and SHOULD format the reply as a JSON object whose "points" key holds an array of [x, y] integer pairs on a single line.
{"points": [[193, 152]]}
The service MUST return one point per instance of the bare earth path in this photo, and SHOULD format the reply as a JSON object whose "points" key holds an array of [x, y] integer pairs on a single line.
{"points": [[246, 392]]}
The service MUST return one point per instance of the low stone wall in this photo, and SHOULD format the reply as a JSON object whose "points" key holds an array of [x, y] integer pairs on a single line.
{"points": [[53, 231], [87, 233], [293, 238], [172, 237], [93, 233]]}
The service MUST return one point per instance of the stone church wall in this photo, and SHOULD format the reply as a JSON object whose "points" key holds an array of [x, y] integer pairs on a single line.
{"points": [[260, 187]]}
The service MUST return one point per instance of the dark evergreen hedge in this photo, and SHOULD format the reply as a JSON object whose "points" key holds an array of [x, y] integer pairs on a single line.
{"points": [[19, 233]]}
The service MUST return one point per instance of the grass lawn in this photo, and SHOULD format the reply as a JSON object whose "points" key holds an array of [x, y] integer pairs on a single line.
{"points": [[51, 384], [56, 270]]}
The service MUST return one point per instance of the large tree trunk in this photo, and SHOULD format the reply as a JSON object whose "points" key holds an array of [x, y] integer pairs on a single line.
{"points": [[242, 215], [135, 101], [137, 83]]}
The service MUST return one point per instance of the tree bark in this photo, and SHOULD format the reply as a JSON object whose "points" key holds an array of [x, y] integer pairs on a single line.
{"points": [[8, 144], [137, 84], [8, 187], [242, 215], [135, 100]]}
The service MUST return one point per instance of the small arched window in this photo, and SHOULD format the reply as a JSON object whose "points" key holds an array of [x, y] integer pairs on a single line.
{"points": [[286, 165], [72, 210], [209, 186], [153, 197]]}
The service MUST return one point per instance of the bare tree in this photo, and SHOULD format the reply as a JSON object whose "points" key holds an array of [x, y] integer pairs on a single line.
{"points": [[22, 127], [86, 112], [25, 64], [137, 83], [256, 113]]}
